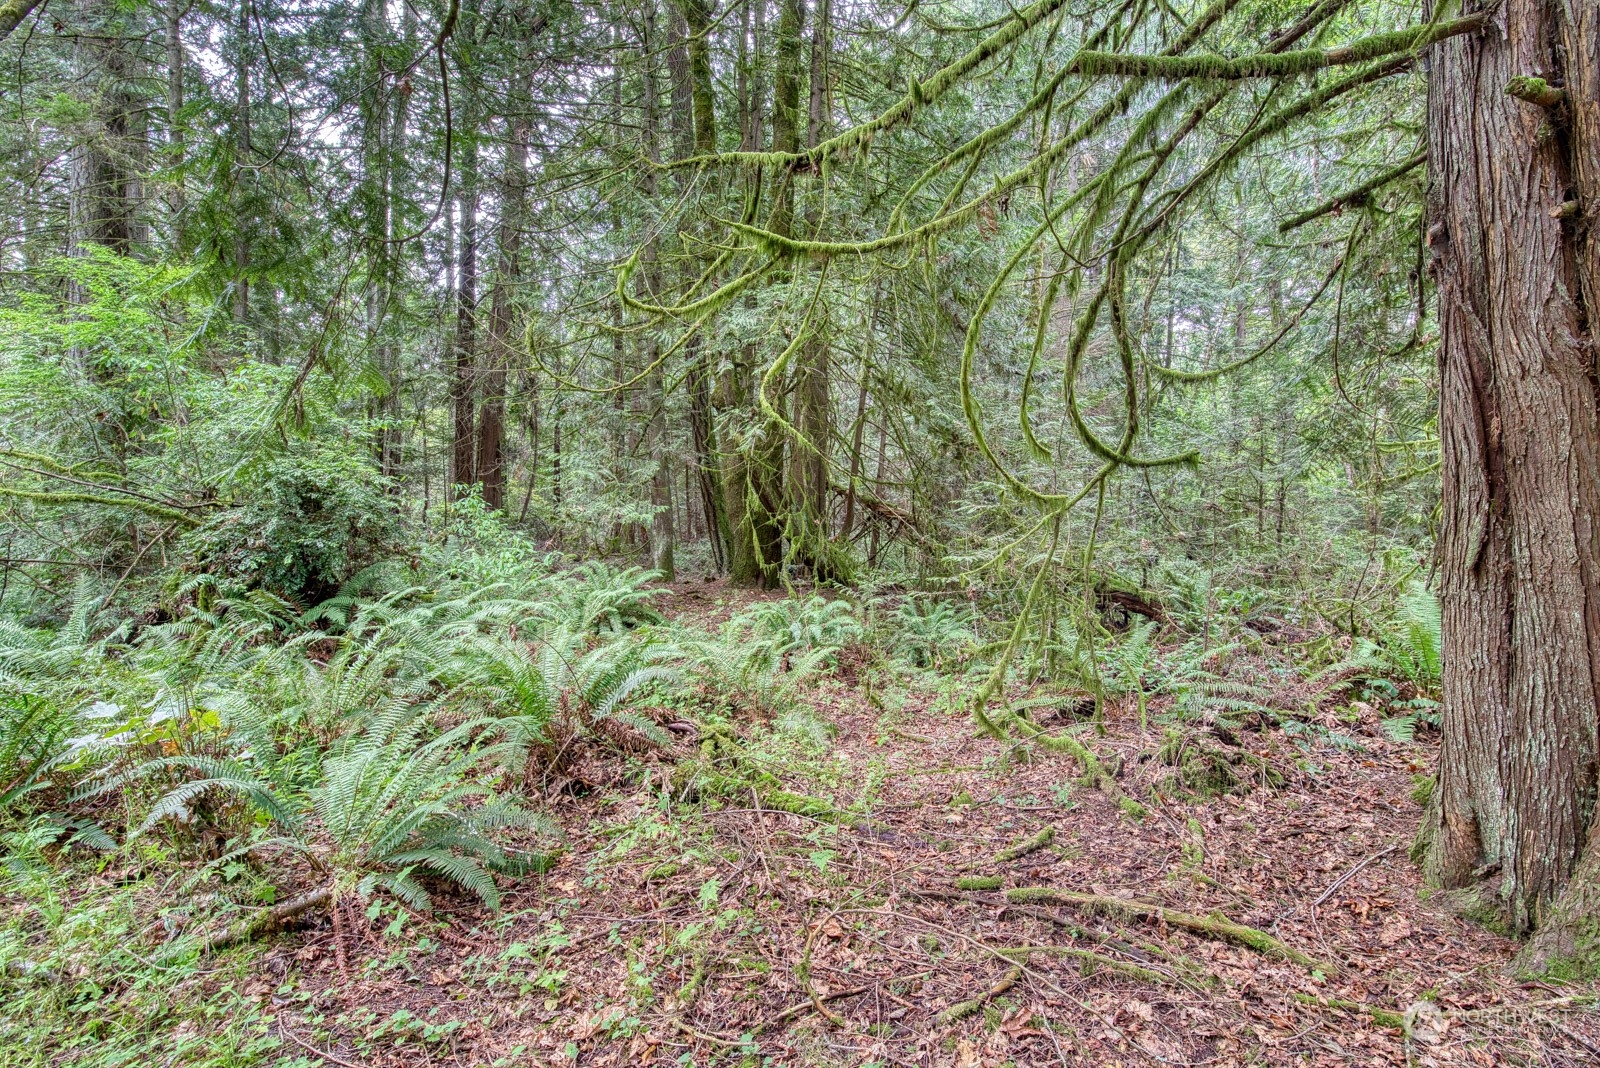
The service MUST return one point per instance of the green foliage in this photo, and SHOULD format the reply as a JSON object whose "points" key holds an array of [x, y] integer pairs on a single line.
{"points": [[602, 599], [394, 803], [1127, 663], [1414, 646], [387, 802], [309, 518], [563, 681], [790, 626], [79, 988], [1402, 669], [928, 633], [736, 673]]}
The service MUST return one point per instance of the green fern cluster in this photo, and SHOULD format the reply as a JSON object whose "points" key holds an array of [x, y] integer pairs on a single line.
{"points": [[793, 626], [738, 672], [1402, 668], [928, 633], [377, 735]]}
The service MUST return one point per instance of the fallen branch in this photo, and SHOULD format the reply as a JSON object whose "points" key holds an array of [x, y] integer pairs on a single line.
{"points": [[272, 918], [309, 1048], [962, 1009], [1211, 926], [1023, 848], [804, 975], [1172, 968], [1094, 961], [979, 882], [1381, 1017], [795, 1010]]}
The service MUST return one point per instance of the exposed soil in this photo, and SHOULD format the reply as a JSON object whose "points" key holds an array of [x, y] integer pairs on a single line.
{"points": [[720, 931]]}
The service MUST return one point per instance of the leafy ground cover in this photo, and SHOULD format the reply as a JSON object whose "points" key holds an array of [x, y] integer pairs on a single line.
{"points": [[844, 871]]}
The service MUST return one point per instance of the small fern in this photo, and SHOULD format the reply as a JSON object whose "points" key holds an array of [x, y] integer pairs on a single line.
{"points": [[927, 633]]}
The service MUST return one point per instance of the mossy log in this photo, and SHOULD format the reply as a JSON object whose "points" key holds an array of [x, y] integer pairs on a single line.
{"points": [[1381, 1017], [263, 922], [979, 882]]}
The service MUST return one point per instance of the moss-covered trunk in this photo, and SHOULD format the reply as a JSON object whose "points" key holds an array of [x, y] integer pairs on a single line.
{"points": [[1520, 429]]}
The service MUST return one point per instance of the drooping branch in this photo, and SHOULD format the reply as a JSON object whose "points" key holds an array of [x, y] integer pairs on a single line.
{"points": [[919, 94]]}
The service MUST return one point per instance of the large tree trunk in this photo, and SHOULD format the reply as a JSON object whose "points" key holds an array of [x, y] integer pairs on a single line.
{"points": [[492, 376], [702, 430], [463, 402], [242, 164], [464, 355], [1520, 426], [663, 531], [754, 472], [175, 67], [107, 185], [812, 393]]}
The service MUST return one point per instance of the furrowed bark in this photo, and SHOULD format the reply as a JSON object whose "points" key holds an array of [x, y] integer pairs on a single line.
{"points": [[1520, 430]]}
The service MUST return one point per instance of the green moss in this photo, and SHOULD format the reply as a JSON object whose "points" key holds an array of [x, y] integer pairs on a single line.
{"points": [[1380, 1016], [979, 882], [1422, 789], [1270, 64]]}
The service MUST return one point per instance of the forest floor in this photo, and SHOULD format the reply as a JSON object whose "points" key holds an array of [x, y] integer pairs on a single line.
{"points": [[729, 932]]}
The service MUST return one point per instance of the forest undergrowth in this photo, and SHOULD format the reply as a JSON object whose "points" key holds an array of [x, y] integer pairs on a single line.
{"points": [[532, 812]]}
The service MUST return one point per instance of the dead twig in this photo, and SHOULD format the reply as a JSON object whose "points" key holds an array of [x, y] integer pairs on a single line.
{"points": [[309, 1048]]}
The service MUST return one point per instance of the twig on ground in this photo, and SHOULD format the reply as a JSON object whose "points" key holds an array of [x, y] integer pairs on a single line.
{"points": [[962, 1009], [1347, 876], [805, 975], [309, 1048]]}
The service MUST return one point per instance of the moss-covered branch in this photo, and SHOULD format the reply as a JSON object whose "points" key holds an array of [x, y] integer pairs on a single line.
{"points": [[1269, 64], [1535, 91], [47, 497], [1214, 926], [1028, 845], [12, 14], [1355, 196]]}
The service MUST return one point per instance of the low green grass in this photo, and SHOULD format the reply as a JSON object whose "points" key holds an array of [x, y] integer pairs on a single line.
{"points": [[75, 987]]}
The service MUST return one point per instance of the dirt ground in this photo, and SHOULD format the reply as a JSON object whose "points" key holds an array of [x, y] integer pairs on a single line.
{"points": [[727, 932]]}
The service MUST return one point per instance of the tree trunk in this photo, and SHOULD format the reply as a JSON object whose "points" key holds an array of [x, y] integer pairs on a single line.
{"points": [[812, 394], [175, 145], [1520, 429], [513, 194], [464, 369], [754, 472], [106, 187], [702, 430], [663, 532], [241, 165]]}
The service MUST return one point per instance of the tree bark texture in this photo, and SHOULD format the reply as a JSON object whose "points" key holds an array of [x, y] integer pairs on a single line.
{"points": [[107, 185], [1520, 430], [490, 460], [754, 473]]}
